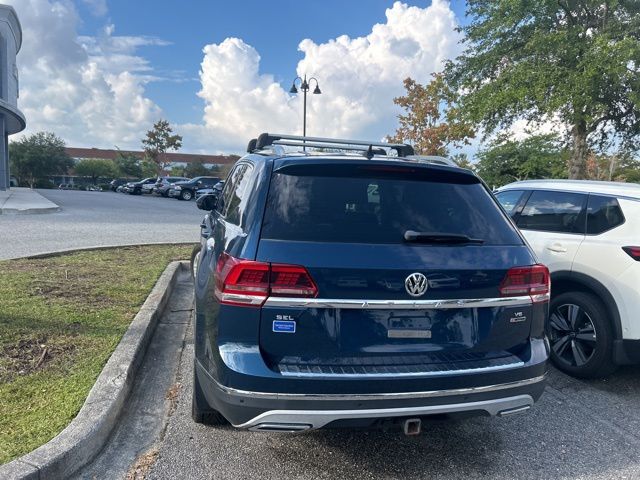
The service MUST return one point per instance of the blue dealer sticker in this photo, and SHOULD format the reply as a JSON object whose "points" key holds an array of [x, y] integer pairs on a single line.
{"points": [[283, 326]]}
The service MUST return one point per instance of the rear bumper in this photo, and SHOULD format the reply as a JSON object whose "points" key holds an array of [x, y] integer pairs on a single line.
{"points": [[259, 410]]}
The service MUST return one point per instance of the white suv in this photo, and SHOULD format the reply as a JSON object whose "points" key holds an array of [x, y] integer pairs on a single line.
{"points": [[588, 235]]}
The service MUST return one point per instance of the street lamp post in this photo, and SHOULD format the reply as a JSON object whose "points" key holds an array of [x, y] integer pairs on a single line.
{"points": [[304, 86]]}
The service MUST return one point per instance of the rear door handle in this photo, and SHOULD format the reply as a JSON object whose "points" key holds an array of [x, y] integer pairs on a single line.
{"points": [[557, 247]]}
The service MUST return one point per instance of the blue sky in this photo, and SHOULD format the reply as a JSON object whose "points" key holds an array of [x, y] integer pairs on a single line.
{"points": [[100, 72]]}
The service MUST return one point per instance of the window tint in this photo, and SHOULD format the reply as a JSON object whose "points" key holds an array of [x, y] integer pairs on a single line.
{"points": [[603, 213], [553, 212], [379, 210], [509, 200], [235, 196]]}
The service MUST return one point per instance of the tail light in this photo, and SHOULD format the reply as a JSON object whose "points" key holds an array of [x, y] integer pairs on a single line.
{"points": [[245, 282], [533, 280], [634, 252]]}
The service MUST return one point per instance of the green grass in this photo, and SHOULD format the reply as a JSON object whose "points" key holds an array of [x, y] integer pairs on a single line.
{"points": [[60, 319]]}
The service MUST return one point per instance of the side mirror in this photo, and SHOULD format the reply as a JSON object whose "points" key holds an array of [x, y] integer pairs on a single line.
{"points": [[207, 202]]}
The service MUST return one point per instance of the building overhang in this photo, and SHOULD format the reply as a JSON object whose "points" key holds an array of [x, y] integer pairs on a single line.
{"points": [[14, 118], [8, 14]]}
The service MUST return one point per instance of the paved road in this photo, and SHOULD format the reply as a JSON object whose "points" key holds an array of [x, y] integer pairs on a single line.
{"points": [[578, 430], [92, 219]]}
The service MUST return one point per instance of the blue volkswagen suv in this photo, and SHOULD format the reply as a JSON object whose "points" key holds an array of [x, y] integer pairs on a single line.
{"points": [[365, 289]]}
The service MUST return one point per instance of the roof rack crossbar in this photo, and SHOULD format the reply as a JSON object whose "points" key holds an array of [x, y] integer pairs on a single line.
{"points": [[360, 148], [267, 139]]}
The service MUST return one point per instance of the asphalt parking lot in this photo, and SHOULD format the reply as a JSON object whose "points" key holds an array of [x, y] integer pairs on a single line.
{"points": [[579, 429], [98, 218]]}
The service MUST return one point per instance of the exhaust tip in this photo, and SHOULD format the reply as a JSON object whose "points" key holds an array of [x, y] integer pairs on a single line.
{"points": [[514, 411], [280, 427], [413, 426]]}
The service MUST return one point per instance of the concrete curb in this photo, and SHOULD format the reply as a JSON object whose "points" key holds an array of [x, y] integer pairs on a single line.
{"points": [[57, 253], [28, 211], [85, 436]]}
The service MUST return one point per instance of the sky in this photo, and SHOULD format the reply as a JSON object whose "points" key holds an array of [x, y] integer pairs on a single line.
{"points": [[99, 73]]}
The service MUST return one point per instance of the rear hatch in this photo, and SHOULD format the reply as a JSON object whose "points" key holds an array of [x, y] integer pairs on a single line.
{"points": [[362, 229]]}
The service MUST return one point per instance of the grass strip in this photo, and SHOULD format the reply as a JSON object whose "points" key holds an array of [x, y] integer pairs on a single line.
{"points": [[60, 320]]}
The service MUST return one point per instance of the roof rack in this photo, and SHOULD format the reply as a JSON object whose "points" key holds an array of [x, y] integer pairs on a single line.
{"points": [[268, 139]]}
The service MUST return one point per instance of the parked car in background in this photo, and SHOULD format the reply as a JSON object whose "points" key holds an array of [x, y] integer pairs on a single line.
{"points": [[314, 302], [588, 234], [163, 184], [216, 189], [187, 190], [116, 182], [135, 188]]}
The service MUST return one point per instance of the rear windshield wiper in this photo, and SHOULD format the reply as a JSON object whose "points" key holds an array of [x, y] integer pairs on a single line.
{"points": [[439, 238]]}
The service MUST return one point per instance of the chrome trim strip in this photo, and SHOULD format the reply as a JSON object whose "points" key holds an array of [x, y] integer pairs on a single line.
{"points": [[378, 396], [438, 373], [244, 299], [397, 304], [311, 419]]}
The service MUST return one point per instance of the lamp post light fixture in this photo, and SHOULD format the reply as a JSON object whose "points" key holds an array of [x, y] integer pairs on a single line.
{"points": [[305, 85]]}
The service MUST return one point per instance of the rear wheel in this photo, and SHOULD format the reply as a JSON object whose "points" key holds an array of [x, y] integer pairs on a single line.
{"points": [[581, 336], [186, 195], [201, 412], [195, 258]]}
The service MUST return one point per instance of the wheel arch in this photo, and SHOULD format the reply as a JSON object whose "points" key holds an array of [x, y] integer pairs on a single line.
{"points": [[566, 281]]}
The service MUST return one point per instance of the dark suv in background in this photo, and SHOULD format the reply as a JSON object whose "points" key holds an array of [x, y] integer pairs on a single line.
{"points": [[361, 290], [187, 190]]}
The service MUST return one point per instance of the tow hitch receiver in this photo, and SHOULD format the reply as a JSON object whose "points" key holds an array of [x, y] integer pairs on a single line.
{"points": [[413, 426]]}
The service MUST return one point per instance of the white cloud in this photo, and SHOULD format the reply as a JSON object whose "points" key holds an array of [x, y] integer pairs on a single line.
{"points": [[97, 7], [88, 90], [359, 77]]}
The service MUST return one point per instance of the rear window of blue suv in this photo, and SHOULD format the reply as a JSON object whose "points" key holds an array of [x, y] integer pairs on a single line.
{"points": [[377, 205]]}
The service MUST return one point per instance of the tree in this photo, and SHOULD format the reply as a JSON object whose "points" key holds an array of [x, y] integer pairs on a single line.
{"points": [[37, 156], [431, 122], [506, 160], [196, 169], [462, 161], [621, 167], [573, 61], [95, 168], [158, 141], [128, 165]]}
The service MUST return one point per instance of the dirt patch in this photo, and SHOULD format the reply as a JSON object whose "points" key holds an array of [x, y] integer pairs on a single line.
{"points": [[30, 355], [172, 397], [142, 465]]}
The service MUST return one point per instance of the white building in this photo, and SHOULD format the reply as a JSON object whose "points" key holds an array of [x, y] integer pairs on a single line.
{"points": [[11, 119]]}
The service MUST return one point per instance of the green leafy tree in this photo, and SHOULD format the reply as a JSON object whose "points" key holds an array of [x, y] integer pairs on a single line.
{"points": [[196, 169], [621, 167], [148, 169], [506, 160], [37, 156], [463, 161], [574, 61], [96, 168], [159, 140], [432, 122], [128, 165]]}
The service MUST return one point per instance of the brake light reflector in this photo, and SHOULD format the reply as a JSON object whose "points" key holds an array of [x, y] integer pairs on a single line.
{"points": [[246, 282], [634, 252], [533, 280]]}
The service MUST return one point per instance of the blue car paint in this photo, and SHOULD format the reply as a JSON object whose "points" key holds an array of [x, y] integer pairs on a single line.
{"points": [[239, 347]]}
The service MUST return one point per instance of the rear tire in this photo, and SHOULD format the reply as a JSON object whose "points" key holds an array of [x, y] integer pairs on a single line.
{"points": [[581, 335], [201, 412], [195, 258]]}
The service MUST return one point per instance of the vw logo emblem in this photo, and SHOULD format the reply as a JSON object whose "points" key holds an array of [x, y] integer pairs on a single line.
{"points": [[416, 284]]}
